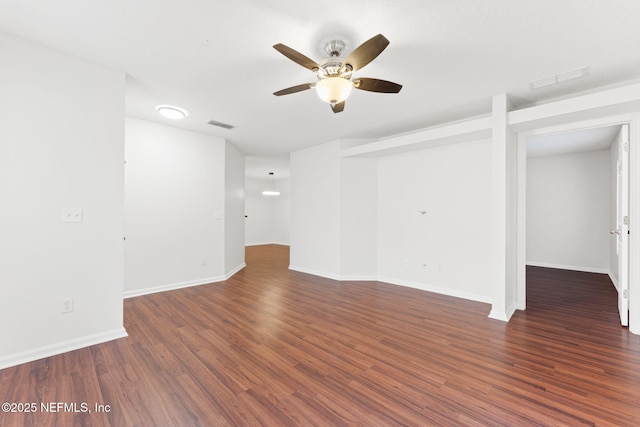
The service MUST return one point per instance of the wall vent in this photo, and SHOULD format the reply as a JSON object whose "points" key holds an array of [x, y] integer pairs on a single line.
{"points": [[219, 124]]}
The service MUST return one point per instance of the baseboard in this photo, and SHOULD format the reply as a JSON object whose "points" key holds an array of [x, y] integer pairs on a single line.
{"points": [[61, 347], [397, 282], [314, 272], [435, 289], [359, 278], [173, 286], [503, 316], [234, 271], [188, 284], [614, 281], [569, 267], [340, 278], [267, 243]]}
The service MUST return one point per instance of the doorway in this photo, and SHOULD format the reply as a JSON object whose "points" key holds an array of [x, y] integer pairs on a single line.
{"points": [[570, 200], [267, 213]]}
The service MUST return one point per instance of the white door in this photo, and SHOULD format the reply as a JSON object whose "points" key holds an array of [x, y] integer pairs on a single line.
{"points": [[622, 225]]}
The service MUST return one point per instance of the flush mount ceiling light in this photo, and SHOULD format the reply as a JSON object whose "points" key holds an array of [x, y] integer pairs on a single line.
{"points": [[172, 112], [270, 188], [334, 74]]}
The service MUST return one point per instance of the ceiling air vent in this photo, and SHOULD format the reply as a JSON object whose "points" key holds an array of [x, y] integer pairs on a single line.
{"points": [[559, 78], [219, 124]]}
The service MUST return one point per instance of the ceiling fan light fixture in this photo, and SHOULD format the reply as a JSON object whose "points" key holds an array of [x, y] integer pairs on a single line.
{"points": [[334, 90], [334, 73], [172, 112]]}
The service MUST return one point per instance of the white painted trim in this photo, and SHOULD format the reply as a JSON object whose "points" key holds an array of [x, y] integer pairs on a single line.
{"points": [[503, 316], [521, 224], [180, 285], [172, 286], [357, 278], [599, 122], [474, 128], [634, 236], [314, 272], [267, 243], [504, 256], [569, 267], [338, 278], [397, 282], [234, 271], [436, 289], [620, 100], [614, 281], [61, 347]]}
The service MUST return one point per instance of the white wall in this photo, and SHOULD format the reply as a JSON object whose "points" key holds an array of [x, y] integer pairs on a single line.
{"points": [[358, 218], [568, 211], [234, 210], [315, 210], [174, 207], [453, 185], [282, 213], [61, 146]]}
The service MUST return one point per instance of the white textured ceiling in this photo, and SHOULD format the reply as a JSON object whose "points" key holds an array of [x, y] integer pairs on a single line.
{"points": [[216, 59], [259, 167], [592, 139]]}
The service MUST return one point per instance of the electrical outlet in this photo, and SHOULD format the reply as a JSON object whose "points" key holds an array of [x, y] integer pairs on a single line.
{"points": [[405, 262], [72, 215], [67, 305], [204, 262]]}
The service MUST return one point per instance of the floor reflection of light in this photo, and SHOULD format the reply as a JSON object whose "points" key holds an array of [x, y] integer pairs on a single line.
{"points": [[268, 307]]}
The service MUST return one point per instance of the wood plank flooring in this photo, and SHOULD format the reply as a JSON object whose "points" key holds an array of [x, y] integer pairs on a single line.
{"points": [[275, 347]]}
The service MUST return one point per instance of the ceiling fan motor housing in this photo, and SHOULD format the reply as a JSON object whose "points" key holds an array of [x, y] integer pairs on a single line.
{"points": [[334, 67]]}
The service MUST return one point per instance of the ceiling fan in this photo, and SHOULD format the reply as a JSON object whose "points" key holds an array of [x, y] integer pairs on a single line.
{"points": [[335, 74]]}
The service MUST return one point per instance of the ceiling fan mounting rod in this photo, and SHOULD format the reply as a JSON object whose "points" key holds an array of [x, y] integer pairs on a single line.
{"points": [[334, 48]]}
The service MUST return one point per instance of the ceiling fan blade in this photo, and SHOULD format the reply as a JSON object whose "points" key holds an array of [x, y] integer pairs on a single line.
{"points": [[296, 57], [293, 89], [367, 52], [338, 108], [376, 85]]}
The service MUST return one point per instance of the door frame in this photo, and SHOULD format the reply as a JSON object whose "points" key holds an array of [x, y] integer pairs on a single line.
{"points": [[621, 232], [634, 204]]}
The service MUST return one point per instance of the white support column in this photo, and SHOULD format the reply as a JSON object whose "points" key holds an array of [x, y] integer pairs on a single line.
{"points": [[521, 231], [503, 206]]}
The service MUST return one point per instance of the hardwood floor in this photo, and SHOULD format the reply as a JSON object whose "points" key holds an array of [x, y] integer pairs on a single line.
{"points": [[279, 348]]}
